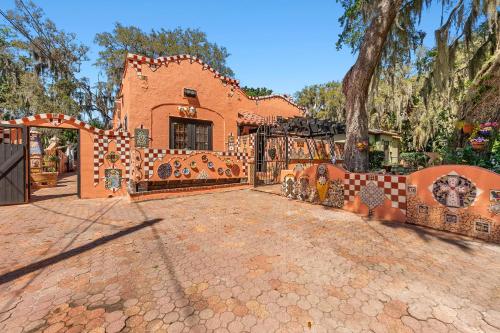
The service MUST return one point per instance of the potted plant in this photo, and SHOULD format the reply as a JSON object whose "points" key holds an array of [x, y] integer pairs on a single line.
{"points": [[478, 143]]}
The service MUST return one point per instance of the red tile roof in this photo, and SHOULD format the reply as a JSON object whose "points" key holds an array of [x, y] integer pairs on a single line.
{"points": [[247, 118]]}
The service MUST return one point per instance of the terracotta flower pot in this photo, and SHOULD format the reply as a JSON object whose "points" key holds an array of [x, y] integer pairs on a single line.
{"points": [[467, 128], [478, 145]]}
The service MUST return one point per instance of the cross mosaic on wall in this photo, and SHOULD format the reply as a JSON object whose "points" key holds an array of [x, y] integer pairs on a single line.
{"points": [[454, 191]]}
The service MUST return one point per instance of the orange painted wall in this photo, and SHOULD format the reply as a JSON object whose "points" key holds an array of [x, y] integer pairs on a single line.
{"points": [[484, 180], [150, 101]]}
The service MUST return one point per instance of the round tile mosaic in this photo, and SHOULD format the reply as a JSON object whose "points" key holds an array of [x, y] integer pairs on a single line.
{"points": [[454, 191], [164, 170], [186, 171], [177, 173], [210, 165], [220, 171], [177, 164], [228, 172]]}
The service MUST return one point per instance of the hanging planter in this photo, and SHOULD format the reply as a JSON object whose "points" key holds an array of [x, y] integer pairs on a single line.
{"points": [[485, 129], [362, 145], [478, 143], [467, 128]]}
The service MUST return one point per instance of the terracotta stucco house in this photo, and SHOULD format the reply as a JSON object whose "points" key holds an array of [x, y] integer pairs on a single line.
{"points": [[186, 104]]}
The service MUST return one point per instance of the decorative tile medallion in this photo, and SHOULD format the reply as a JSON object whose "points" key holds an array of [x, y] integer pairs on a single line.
{"points": [[412, 189], [322, 170], [302, 189], [202, 175], [220, 171], [454, 191], [177, 164], [482, 226], [372, 195], [423, 209], [141, 137], [164, 170], [204, 158], [113, 179], [210, 165], [228, 172], [186, 172], [177, 173], [112, 157], [495, 195], [336, 194], [272, 153], [288, 186], [450, 218]]}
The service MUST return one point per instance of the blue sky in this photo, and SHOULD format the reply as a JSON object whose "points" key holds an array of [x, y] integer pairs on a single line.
{"points": [[282, 45]]}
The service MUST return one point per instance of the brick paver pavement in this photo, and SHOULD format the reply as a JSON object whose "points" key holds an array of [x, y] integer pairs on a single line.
{"points": [[239, 261]]}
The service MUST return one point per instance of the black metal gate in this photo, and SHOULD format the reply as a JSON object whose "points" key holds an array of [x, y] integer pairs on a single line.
{"points": [[13, 141], [274, 142], [271, 155]]}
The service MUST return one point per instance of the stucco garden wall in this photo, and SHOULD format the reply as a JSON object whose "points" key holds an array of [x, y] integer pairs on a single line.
{"points": [[456, 198]]}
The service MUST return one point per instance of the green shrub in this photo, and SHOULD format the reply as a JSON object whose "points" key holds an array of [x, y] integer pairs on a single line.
{"points": [[376, 159], [414, 159]]}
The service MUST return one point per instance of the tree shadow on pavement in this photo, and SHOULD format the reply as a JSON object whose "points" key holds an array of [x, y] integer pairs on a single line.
{"points": [[7, 277], [427, 234]]}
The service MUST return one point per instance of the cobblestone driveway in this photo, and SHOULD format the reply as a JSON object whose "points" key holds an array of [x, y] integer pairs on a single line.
{"points": [[240, 261]]}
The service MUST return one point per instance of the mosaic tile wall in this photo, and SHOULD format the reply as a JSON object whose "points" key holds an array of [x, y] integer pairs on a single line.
{"points": [[455, 199], [458, 199], [101, 149], [183, 164]]}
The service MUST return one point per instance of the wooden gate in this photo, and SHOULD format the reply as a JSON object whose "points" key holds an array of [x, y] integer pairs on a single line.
{"points": [[13, 140]]}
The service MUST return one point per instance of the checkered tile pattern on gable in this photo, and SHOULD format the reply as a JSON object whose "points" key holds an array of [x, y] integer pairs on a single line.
{"points": [[137, 61], [394, 187], [150, 156], [57, 119]]}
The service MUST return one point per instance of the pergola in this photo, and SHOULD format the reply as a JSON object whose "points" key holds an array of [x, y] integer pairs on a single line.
{"points": [[304, 128]]}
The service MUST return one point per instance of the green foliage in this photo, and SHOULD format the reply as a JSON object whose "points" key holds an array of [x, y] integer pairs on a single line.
{"points": [[376, 159], [421, 92], [38, 65], [414, 159], [130, 39], [323, 101], [489, 158], [257, 92]]}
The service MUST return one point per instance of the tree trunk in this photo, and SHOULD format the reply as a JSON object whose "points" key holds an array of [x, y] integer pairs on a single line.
{"points": [[357, 82]]}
